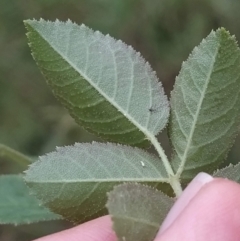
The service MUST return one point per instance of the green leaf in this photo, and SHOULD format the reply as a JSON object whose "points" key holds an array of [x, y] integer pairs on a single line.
{"points": [[74, 180], [205, 105], [137, 211], [17, 206], [231, 172], [106, 85]]}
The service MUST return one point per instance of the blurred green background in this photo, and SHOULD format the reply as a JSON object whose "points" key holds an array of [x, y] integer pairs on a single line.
{"points": [[33, 122]]}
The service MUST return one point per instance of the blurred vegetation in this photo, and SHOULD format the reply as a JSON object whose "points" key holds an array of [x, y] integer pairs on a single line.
{"points": [[33, 122]]}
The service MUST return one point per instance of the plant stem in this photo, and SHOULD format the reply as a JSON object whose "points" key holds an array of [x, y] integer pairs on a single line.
{"points": [[174, 181], [16, 156], [176, 186]]}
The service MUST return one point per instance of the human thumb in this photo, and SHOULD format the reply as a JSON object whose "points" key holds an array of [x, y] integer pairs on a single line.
{"points": [[208, 209]]}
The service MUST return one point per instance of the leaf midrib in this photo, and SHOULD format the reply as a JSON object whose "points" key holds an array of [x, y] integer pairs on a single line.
{"points": [[184, 157], [166, 180], [144, 130], [137, 220]]}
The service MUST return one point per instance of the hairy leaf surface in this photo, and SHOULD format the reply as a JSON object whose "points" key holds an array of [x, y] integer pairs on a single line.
{"points": [[137, 211], [205, 105], [74, 180], [106, 85], [231, 172], [17, 206]]}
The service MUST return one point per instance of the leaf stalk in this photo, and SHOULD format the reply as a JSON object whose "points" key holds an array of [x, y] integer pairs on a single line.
{"points": [[14, 155], [174, 181]]}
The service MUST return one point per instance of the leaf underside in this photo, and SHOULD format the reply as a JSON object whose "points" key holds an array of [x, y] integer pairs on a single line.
{"points": [[17, 206], [74, 180], [231, 172], [137, 211], [106, 85], [205, 105]]}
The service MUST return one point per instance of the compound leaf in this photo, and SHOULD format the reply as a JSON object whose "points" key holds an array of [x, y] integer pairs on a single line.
{"points": [[74, 180], [137, 211], [17, 206], [205, 105], [106, 85], [231, 172]]}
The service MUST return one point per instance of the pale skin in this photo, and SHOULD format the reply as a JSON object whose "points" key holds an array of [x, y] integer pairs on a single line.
{"points": [[209, 209]]}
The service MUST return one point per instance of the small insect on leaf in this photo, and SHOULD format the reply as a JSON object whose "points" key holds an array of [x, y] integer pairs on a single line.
{"points": [[143, 164], [153, 109]]}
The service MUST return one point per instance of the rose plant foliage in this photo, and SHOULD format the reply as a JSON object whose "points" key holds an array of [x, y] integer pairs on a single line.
{"points": [[110, 90]]}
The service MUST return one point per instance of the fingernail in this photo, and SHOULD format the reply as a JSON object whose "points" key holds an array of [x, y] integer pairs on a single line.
{"points": [[190, 191]]}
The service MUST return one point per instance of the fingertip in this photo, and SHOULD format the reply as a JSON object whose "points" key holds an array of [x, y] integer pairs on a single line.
{"points": [[212, 214], [95, 230], [191, 190]]}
